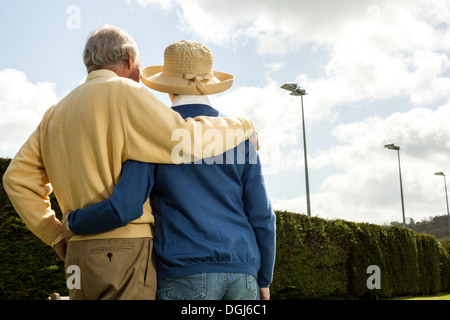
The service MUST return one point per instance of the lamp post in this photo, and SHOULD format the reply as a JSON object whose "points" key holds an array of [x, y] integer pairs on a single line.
{"points": [[394, 147], [446, 198], [296, 91]]}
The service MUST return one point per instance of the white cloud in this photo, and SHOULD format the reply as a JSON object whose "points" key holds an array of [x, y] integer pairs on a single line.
{"points": [[276, 26], [163, 4], [362, 182], [366, 185], [274, 67], [291, 23], [377, 49], [22, 105], [273, 113], [268, 108], [360, 70]]}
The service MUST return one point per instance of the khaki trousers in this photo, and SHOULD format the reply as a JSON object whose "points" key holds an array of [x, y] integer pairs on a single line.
{"points": [[111, 269]]}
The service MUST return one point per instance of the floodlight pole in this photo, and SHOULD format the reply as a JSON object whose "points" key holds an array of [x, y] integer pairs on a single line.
{"points": [[446, 199], [401, 187], [308, 205], [394, 147], [296, 91]]}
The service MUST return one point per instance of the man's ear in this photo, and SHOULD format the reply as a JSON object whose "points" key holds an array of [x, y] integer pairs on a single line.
{"points": [[130, 62]]}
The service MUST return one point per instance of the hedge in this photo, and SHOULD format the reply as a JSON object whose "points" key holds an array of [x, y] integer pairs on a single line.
{"points": [[328, 259], [316, 259]]}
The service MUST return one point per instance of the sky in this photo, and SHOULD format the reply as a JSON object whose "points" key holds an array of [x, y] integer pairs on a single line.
{"points": [[375, 72]]}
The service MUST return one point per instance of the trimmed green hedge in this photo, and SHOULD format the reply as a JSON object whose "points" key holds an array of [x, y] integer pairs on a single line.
{"points": [[311, 258], [328, 259]]}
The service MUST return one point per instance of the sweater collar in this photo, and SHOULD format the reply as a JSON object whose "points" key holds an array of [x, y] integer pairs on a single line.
{"points": [[100, 73], [190, 99]]}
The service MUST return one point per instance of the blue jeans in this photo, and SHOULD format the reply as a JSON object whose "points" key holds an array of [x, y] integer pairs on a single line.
{"points": [[210, 286]]}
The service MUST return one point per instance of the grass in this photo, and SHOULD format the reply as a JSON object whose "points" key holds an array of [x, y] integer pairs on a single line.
{"points": [[443, 296]]}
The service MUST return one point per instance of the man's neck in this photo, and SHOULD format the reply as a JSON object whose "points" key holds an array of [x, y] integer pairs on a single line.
{"points": [[122, 71]]}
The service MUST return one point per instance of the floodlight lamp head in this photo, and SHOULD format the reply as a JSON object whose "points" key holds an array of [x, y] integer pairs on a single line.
{"points": [[290, 86], [392, 147], [298, 92]]}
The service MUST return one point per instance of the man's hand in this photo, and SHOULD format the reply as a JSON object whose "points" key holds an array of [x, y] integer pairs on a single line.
{"points": [[60, 249], [264, 294], [65, 231]]}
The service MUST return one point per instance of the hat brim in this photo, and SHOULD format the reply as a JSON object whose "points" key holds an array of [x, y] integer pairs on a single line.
{"points": [[155, 79]]}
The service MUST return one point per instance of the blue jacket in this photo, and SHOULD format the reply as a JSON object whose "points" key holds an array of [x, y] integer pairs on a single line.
{"points": [[208, 217]]}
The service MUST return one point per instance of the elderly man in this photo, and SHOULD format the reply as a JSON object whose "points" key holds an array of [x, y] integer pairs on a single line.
{"points": [[78, 150]]}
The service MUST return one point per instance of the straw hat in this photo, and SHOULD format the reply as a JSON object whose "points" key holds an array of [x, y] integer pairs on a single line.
{"points": [[187, 70]]}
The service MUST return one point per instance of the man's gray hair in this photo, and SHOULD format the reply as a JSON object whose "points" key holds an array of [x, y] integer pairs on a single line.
{"points": [[109, 45]]}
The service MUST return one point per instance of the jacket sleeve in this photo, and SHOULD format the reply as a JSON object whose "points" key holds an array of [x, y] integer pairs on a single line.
{"points": [[259, 211], [28, 187], [155, 133], [122, 207]]}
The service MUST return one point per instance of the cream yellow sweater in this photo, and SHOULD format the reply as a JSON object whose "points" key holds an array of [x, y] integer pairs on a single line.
{"points": [[81, 143]]}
